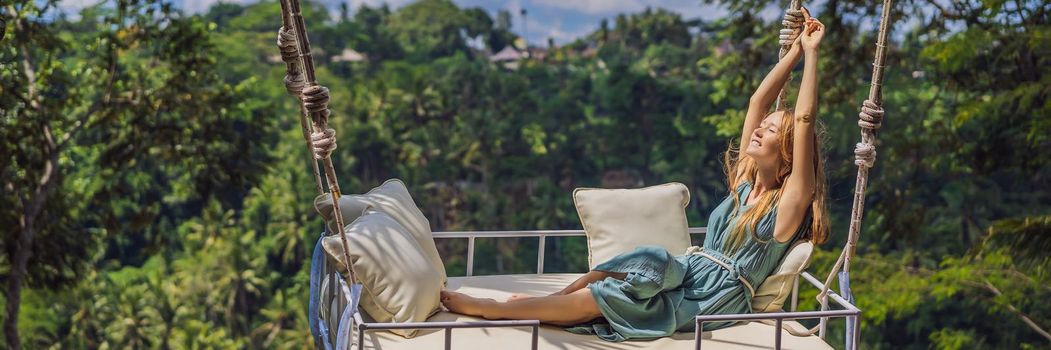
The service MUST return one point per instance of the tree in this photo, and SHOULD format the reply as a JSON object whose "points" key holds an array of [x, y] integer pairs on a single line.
{"points": [[182, 205], [960, 156], [92, 148], [430, 29], [376, 39]]}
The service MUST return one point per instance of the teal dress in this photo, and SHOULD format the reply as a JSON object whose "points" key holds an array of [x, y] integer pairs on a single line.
{"points": [[662, 294]]}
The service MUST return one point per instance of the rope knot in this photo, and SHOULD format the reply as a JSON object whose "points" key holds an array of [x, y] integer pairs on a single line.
{"points": [[315, 100], [286, 42], [324, 142], [295, 80], [792, 21], [864, 154], [871, 115]]}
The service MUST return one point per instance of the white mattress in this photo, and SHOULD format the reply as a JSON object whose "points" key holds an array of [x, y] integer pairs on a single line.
{"points": [[749, 336]]}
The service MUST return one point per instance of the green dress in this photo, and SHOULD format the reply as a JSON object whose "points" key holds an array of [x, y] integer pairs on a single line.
{"points": [[662, 294]]}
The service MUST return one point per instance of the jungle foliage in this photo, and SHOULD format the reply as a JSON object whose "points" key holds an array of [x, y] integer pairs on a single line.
{"points": [[157, 190]]}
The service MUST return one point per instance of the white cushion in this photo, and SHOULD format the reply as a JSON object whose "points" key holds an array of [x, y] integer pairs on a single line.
{"points": [[400, 284], [392, 198], [618, 220], [772, 293]]}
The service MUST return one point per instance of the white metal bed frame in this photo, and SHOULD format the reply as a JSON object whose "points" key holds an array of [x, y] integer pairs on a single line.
{"points": [[850, 312]]}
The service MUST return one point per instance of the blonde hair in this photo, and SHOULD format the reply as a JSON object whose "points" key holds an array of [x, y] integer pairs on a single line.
{"points": [[740, 168]]}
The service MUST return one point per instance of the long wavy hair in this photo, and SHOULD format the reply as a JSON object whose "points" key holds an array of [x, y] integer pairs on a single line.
{"points": [[741, 167]]}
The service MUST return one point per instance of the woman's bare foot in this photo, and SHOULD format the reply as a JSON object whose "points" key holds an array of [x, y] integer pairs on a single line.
{"points": [[465, 304]]}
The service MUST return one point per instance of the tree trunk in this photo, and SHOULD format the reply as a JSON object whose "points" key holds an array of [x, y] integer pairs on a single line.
{"points": [[22, 251]]}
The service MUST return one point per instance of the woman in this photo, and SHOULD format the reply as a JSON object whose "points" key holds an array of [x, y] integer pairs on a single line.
{"points": [[777, 195]]}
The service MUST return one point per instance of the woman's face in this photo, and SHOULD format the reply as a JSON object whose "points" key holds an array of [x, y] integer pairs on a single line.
{"points": [[764, 144]]}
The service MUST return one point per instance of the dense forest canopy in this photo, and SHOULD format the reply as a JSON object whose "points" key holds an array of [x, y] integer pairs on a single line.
{"points": [[157, 190]]}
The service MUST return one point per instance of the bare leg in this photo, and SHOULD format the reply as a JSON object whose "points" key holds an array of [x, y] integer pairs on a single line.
{"points": [[562, 310], [581, 282], [574, 308]]}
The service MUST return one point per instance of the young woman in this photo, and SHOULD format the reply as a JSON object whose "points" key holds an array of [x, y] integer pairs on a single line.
{"points": [[777, 195]]}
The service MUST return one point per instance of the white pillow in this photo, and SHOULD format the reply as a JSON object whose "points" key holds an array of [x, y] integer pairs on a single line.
{"points": [[618, 220], [400, 284], [777, 287], [392, 198]]}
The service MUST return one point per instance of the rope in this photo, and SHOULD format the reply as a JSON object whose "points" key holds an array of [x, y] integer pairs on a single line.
{"points": [[791, 330], [286, 44], [307, 131], [324, 143], [314, 98], [744, 281], [870, 119], [295, 81], [792, 21], [871, 116]]}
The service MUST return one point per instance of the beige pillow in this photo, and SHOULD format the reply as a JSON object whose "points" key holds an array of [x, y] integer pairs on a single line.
{"points": [[618, 220], [400, 284], [392, 198], [772, 293]]}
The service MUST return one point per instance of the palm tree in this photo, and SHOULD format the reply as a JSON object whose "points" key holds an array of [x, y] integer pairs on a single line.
{"points": [[286, 325]]}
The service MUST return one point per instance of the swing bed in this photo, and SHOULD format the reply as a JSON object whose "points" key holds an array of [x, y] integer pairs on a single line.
{"points": [[337, 323]]}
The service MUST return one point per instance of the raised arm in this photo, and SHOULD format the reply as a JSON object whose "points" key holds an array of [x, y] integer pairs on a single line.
{"points": [[767, 92], [798, 191]]}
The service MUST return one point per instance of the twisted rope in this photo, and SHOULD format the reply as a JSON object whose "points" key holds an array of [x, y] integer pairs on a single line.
{"points": [[315, 100], [294, 83], [870, 119], [323, 139], [871, 116], [301, 81], [295, 80], [792, 22], [286, 43], [324, 142]]}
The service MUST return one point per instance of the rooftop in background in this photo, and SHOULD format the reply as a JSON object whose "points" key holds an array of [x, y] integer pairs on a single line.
{"points": [[349, 55], [507, 54]]}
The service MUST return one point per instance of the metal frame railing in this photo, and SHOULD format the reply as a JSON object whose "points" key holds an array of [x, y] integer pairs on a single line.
{"points": [[849, 311], [541, 235]]}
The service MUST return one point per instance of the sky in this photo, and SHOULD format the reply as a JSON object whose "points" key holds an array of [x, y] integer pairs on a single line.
{"points": [[562, 20]]}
